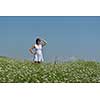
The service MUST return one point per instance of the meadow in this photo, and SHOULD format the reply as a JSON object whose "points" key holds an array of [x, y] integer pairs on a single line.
{"points": [[16, 71]]}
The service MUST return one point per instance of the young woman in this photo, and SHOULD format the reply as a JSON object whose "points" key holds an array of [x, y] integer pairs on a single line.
{"points": [[36, 50]]}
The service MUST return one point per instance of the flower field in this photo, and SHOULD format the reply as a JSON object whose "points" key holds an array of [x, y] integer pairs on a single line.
{"points": [[14, 71]]}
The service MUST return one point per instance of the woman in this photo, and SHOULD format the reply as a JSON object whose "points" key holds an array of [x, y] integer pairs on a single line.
{"points": [[38, 47]]}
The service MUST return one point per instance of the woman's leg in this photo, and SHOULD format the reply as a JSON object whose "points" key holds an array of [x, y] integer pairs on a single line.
{"points": [[35, 60], [40, 59]]}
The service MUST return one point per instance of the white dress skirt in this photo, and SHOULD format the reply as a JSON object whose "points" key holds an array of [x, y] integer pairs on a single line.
{"points": [[38, 56]]}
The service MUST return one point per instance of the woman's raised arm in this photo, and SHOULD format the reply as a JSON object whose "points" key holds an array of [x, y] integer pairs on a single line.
{"points": [[44, 42]]}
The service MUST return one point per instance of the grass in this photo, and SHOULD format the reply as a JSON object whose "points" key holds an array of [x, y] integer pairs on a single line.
{"points": [[14, 71]]}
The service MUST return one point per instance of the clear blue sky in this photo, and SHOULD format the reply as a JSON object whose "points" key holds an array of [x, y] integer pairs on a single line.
{"points": [[66, 36]]}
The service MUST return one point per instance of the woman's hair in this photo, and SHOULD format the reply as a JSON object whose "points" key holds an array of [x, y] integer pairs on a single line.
{"points": [[38, 40]]}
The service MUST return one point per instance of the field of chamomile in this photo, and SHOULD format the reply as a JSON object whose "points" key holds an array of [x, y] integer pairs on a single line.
{"points": [[15, 71]]}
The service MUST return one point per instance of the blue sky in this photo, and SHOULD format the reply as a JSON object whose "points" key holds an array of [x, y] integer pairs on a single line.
{"points": [[66, 36]]}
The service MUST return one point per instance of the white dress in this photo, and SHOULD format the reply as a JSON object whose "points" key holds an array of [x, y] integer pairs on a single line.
{"points": [[38, 53]]}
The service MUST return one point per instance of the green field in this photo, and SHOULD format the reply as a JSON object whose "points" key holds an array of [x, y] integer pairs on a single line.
{"points": [[14, 71]]}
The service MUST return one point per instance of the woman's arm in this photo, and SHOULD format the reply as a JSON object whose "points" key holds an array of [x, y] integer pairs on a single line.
{"points": [[31, 49], [44, 42]]}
